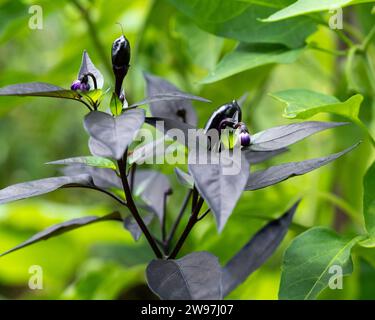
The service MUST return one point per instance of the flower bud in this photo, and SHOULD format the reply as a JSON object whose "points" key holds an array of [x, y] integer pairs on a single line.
{"points": [[85, 86], [76, 85], [245, 139], [82, 84], [120, 61]]}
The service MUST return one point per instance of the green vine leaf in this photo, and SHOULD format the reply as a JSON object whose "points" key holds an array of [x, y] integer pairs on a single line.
{"points": [[249, 56], [369, 199], [303, 7], [303, 104], [306, 269]]}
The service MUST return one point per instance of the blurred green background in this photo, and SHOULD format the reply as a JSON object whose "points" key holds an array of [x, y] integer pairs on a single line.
{"points": [[102, 261]]}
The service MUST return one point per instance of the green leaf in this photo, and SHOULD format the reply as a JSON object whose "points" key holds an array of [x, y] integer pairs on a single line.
{"points": [[91, 161], [306, 269], [202, 47], [93, 97], [358, 73], [248, 56], [369, 199], [369, 242], [303, 104], [115, 105], [302, 7], [241, 21], [210, 10]]}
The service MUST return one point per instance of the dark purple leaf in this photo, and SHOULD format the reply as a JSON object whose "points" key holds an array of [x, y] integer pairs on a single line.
{"points": [[40, 89], [184, 178], [88, 67], [99, 149], [38, 187], [273, 175], [283, 136], [64, 227], [220, 182], [168, 97], [116, 133], [132, 226], [165, 124], [256, 251], [152, 186], [196, 276], [102, 178], [174, 104], [255, 157]]}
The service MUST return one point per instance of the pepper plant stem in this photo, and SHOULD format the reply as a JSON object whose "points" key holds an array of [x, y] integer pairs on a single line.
{"points": [[192, 221], [133, 208], [178, 220]]}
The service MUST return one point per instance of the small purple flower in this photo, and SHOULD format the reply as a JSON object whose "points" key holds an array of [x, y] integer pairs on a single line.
{"points": [[80, 85], [245, 139], [76, 85], [85, 86]]}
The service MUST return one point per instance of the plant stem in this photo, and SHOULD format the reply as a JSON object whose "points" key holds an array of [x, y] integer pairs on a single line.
{"points": [[192, 221], [204, 214], [178, 220], [366, 43], [164, 220], [329, 51], [344, 38], [360, 124], [133, 209], [100, 190], [343, 205]]}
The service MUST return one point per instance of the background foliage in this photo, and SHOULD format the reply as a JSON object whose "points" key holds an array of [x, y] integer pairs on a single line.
{"points": [[195, 45]]}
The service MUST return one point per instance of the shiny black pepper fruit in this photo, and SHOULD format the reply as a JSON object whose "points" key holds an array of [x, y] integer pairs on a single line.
{"points": [[224, 116], [120, 61]]}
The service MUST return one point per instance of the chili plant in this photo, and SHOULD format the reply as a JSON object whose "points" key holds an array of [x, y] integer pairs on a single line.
{"points": [[114, 168]]}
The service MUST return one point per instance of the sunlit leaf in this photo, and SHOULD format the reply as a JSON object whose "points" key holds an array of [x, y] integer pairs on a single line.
{"points": [[303, 104], [302, 7], [249, 56], [115, 105], [92, 161]]}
